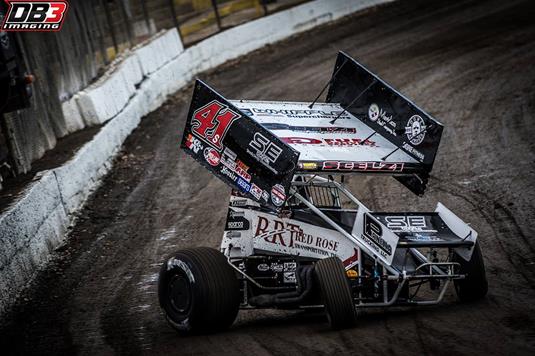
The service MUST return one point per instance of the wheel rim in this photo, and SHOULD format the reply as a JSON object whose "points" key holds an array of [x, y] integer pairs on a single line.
{"points": [[180, 294]]}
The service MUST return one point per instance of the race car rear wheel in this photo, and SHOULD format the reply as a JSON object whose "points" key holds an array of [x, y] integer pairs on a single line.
{"points": [[474, 286], [198, 291], [335, 292]]}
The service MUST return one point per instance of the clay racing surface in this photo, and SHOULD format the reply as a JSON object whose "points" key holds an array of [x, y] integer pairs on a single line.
{"points": [[469, 64]]}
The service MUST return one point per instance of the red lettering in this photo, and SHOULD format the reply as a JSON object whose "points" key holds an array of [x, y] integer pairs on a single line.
{"points": [[259, 228], [294, 234], [301, 140], [211, 123], [330, 165], [57, 9], [279, 225]]}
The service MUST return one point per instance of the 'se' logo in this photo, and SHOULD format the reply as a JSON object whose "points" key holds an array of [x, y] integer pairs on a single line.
{"points": [[265, 150]]}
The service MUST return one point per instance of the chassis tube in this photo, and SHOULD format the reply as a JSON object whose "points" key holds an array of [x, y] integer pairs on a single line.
{"points": [[424, 260], [342, 231]]}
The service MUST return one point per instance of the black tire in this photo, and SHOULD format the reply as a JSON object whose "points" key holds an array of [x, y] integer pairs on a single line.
{"points": [[475, 285], [335, 292], [198, 291]]}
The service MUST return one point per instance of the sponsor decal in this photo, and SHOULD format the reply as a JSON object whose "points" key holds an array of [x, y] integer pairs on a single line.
{"points": [[407, 224], [373, 236], [236, 214], [264, 150], [362, 166], [238, 202], [238, 225], [277, 267], [212, 156], [414, 151], [265, 196], [235, 225], [263, 267], [228, 159], [241, 170], [194, 144], [278, 195], [425, 238], [230, 154], [256, 191], [32, 15], [299, 114], [233, 234], [309, 166], [290, 266], [373, 112], [243, 185], [351, 130], [292, 235], [301, 141], [342, 142], [382, 118], [289, 277], [229, 173], [211, 123], [415, 130], [314, 129], [348, 142], [236, 220]]}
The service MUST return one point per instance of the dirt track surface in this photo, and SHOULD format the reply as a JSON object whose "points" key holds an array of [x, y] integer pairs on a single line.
{"points": [[469, 64]]}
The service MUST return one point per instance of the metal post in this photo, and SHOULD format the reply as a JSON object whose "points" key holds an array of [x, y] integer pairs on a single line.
{"points": [[216, 11], [146, 15], [127, 18], [99, 28], [106, 7], [87, 23], [175, 19], [173, 13]]}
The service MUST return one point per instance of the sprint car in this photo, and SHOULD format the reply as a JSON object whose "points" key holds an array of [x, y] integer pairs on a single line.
{"points": [[295, 236]]}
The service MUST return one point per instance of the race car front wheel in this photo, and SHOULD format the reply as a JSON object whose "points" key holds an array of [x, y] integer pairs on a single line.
{"points": [[198, 291], [474, 286], [335, 292]]}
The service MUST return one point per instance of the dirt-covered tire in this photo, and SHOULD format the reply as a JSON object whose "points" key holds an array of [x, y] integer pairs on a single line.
{"points": [[198, 291], [335, 292], [475, 285]]}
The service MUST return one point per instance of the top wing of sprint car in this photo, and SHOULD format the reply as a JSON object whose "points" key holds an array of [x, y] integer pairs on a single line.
{"points": [[365, 127]]}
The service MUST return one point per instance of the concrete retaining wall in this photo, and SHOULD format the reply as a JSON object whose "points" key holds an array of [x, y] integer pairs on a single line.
{"points": [[136, 84]]}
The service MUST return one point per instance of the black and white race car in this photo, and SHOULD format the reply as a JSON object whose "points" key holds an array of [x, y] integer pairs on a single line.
{"points": [[295, 236]]}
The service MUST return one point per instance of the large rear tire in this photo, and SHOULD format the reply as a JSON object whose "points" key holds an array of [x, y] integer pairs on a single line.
{"points": [[198, 291], [474, 286], [335, 292]]}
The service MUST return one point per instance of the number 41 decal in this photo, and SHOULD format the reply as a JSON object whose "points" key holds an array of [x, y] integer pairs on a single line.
{"points": [[211, 123]]}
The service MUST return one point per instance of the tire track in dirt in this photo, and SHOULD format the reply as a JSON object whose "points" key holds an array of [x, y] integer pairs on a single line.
{"points": [[499, 224]]}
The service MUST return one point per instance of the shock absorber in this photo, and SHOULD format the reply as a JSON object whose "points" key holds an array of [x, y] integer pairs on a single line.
{"points": [[376, 279], [434, 284]]}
